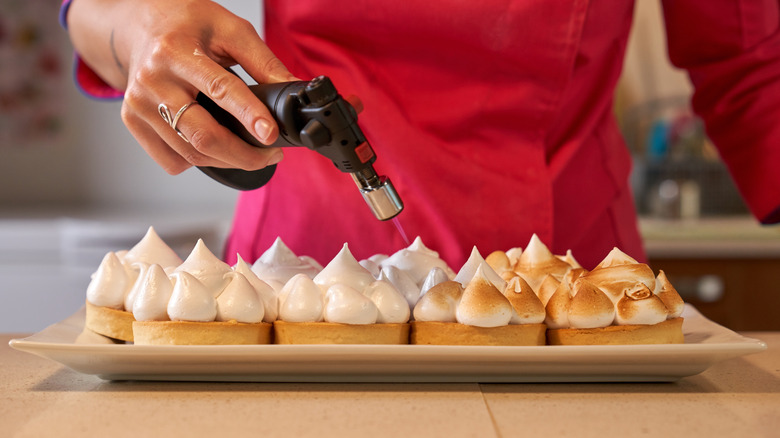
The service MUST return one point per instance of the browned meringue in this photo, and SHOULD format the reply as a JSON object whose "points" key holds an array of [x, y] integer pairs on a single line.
{"points": [[439, 302], [590, 307], [573, 275], [482, 304], [570, 260], [499, 261], [528, 307], [616, 257], [536, 262], [640, 305], [668, 294], [557, 308], [548, 288], [514, 254], [618, 273], [508, 275]]}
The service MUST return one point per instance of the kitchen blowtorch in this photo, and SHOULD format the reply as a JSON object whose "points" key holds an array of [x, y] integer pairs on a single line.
{"points": [[313, 115]]}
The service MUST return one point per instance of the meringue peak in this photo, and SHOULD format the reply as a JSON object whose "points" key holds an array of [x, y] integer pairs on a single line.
{"points": [[499, 261], [482, 304], [537, 261], [279, 254], [240, 301], [669, 295], [301, 300], [640, 306], [590, 307], [109, 283], [191, 300], [416, 260], [528, 308], [152, 249], [344, 269], [514, 254], [569, 258], [418, 245], [344, 304], [206, 267], [472, 265], [616, 257], [557, 307], [279, 264], [439, 303], [264, 290], [391, 305], [535, 253]]}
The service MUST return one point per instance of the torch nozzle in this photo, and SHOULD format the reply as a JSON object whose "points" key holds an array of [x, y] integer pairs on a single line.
{"points": [[379, 193]]}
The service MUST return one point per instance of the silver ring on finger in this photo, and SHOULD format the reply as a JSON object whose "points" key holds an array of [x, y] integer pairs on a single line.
{"points": [[165, 113]]}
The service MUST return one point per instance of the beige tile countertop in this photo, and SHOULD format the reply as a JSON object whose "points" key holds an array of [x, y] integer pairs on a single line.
{"points": [[736, 397]]}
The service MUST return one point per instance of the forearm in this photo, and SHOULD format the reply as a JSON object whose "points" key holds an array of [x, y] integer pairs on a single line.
{"points": [[732, 52], [97, 29], [166, 52]]}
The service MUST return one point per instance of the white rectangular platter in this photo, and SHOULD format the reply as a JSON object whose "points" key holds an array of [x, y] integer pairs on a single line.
{"points": [[706, 343]]}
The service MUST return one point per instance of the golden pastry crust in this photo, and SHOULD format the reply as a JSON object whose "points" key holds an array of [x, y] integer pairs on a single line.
{"points": [[453, 333], [113, 323], [201, 333], [335, 333], [666, 332]]}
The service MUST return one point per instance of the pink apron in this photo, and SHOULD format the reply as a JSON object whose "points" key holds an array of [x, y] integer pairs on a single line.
{"points": [[493, 120]]}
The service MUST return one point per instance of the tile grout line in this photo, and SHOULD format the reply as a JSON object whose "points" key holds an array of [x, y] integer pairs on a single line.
{"points": [[496, 432]]}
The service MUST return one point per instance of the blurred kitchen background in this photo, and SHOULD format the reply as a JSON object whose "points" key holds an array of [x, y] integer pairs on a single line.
{"points": [[695, 225], [74, 184]]}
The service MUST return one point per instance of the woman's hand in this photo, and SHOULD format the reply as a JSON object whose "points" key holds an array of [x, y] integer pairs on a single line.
{"points": [[165, 52]]}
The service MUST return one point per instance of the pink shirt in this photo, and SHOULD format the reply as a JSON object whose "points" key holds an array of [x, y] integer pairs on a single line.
{"points": [[495, 121]]}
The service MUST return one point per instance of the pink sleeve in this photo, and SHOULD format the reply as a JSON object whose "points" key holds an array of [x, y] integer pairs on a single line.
{"points": [[731, 50], [86, 79]]}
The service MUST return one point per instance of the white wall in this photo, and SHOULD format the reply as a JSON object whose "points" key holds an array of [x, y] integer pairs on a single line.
{"points": [[98, 164], [64, 203], [647, 72]]}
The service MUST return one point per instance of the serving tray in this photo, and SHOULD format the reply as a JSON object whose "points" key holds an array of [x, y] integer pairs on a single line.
{"points": [[706, 343]]}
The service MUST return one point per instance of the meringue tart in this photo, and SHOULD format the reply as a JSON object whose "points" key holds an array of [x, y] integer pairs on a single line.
{"points": [[478, 314]]}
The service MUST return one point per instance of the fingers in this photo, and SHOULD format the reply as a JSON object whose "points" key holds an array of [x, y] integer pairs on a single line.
{"points": [[166, 157], [240, 44], [247, 49], [182, 54], [210, 144], [230, 93], [209, 141]]}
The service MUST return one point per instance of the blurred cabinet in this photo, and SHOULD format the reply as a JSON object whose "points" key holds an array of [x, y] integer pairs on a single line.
{"points": [[738, 293], [728, 268], [46, 259]]}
